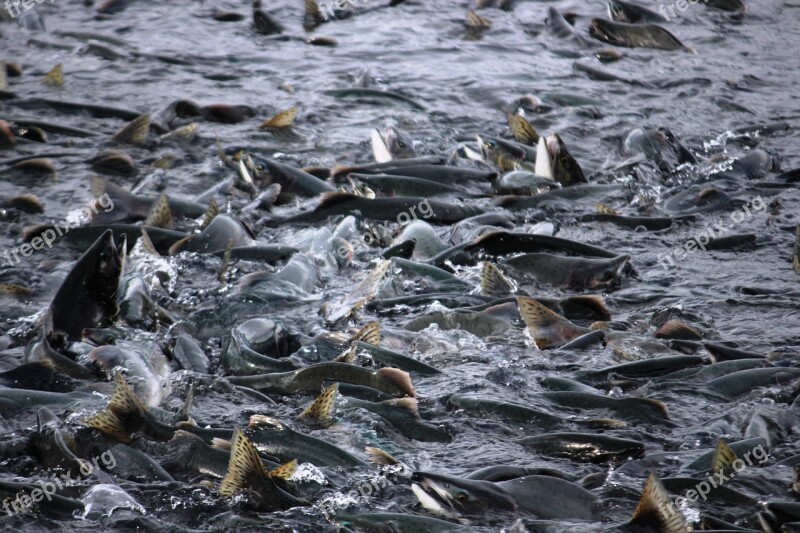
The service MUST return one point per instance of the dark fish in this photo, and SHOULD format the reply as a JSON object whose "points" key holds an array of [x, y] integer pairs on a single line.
{"points": [[543, 496], [585, 446], [310, 379], [439, 212], [632, 13], [558, 26], [635, 35], [87, 297], [570, 272]]}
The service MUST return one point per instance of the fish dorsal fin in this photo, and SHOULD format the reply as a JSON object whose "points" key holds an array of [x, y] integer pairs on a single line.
{"points": [[379, 457], [348, 356], [493, 282], [243, 464], [284, 119], [360, 296], [655, 506], [333, 198], [220, 444], [523, 131], [147, 243], [371, 333], [603, 209], [593, 302], [55, 78], [545, 325], [723, 458], [98, 185], [476, 21], [321, 410], [675, 329], [399, 378], [408, 404], [185, 411], [135, 132], [285, 471], [211, 214], [226, 261], [160, 216], [544, 166]]}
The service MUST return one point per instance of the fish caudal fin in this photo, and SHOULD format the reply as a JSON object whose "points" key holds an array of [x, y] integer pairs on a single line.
{"points": [[322, 409], [493, 282], [244, 463]]}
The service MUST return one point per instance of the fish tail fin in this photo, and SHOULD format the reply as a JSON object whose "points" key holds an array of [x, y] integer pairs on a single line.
{"points": [[243, 464], [593, 303], [379, 457], [548, 328], [284, 472], [655, 506]]}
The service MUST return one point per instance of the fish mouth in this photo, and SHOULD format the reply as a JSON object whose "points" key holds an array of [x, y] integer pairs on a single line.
{"points": [[599, 30]]}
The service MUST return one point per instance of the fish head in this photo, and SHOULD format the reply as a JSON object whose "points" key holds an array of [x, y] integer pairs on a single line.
{"points": [[566, 169], [109, 262], [463, 495], [605, 274], [398, 143]]}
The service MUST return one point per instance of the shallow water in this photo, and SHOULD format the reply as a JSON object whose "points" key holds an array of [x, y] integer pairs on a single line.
{"points": [[744, 74]]}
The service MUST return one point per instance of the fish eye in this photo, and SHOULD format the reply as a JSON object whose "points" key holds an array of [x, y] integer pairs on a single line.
{"points": [[608, 275], [461, 495], [401, 144]]}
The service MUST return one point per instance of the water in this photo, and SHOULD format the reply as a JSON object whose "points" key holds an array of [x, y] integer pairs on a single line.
{"points": [[743, 75]]}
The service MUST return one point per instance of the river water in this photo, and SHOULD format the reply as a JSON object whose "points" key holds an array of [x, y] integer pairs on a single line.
{"points": [[737, 92]]}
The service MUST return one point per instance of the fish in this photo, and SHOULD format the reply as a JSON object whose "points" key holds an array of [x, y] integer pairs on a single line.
{"points": [[87, 297], [569, 272], [585, 446], [542, 496], [403, 415], [309, 379], [635, 35], [632, 13]]}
